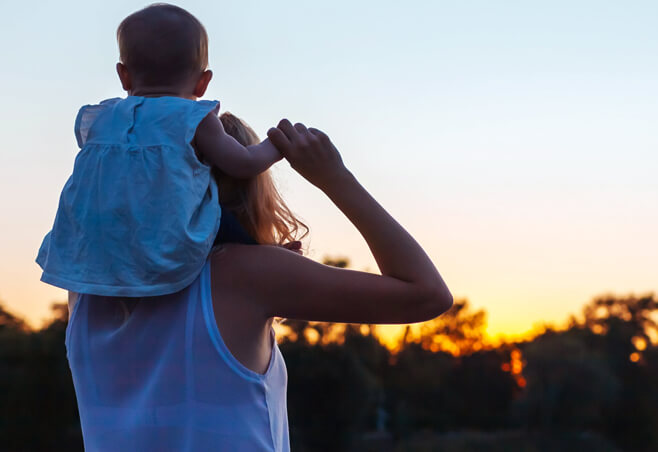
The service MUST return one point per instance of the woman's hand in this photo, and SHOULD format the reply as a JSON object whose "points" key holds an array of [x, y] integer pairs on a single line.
{"points": [[310, 152], [295, 247]]}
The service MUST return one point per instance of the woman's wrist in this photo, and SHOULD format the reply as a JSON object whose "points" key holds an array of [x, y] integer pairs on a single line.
{"points": [[347, 193], [339, 182]]}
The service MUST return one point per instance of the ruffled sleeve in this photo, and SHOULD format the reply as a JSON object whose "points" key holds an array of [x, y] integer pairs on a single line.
{"points": [[87, 116], [201, 109]]}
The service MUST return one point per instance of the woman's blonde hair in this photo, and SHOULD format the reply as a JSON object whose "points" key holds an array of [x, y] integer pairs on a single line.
{"points": [[255, 201]]}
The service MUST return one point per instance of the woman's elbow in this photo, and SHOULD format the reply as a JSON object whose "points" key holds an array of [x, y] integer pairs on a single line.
{"points": [[437, 300]]}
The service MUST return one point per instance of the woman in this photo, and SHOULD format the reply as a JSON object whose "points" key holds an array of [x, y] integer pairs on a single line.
{"points": [[200, 369]]}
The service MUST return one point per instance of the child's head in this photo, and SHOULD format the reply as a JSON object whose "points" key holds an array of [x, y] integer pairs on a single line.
{"points": [[163, 50]]}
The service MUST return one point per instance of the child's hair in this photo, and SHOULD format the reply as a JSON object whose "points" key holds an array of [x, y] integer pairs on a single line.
{"points": [[162, 45], [256, 201]]}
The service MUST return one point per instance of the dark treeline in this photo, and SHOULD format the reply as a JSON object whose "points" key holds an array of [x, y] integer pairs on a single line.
{"points": [[591, 386]]}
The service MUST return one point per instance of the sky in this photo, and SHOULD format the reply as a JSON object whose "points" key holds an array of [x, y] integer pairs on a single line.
{"points": [[513, 139]]}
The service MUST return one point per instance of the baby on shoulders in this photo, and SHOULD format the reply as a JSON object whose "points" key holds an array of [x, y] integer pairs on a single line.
{"points": [[140, 212]]}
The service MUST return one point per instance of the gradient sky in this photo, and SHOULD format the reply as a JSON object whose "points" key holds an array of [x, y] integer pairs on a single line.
{"points": [[513, 139]]}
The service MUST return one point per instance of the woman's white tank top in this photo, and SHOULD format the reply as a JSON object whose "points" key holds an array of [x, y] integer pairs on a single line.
{"points": [[153, 374]]}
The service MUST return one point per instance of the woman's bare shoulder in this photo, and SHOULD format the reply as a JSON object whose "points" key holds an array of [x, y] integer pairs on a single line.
{"points": [[240, 264], [249, 271]]}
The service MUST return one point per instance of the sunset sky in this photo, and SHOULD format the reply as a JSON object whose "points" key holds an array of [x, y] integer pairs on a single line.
{"points": [[513, 139]]}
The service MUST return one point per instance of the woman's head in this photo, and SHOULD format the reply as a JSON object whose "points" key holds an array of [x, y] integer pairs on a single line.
{"points": [[255, 201]]}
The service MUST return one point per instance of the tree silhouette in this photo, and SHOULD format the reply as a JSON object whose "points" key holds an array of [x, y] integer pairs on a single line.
{"points": [[573, 389], [569, 386], [624, 327], [622, 323], [458, 331], [38, 408], [11, 323]]}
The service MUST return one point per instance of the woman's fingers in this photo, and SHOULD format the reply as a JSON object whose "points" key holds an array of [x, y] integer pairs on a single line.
{"points": [[310, 152], [279, 140], [297, 138], [301, 128], [295, 246], [318, 133], [286, 127]]}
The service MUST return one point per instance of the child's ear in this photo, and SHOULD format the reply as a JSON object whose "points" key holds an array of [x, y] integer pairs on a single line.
{"points": [[124, 76], [202, 83]]}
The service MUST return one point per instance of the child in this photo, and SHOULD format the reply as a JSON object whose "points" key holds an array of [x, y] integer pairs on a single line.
{"points": [[140, 212]]}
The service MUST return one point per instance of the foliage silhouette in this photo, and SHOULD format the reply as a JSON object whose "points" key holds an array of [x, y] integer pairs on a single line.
{"points": [[570, 387], [38, 408], [591, 386]]}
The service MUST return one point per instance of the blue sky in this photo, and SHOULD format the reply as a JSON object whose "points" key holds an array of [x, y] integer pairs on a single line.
{"points": [[516, 140]]}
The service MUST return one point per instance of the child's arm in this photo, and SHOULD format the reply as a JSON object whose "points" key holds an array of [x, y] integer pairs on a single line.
{"points": [[222, 150]]}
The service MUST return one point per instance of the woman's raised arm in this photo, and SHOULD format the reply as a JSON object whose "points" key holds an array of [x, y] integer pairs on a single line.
{"points": [[280, 283]]}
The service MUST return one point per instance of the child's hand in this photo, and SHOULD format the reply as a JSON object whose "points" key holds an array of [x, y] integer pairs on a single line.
{"points": [[310, 152]]}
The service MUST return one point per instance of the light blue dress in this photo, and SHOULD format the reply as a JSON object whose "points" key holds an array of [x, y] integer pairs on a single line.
{"points": [[155, 375], [140, 212]]}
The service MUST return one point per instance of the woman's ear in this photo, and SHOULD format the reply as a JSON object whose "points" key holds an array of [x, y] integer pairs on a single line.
{"points": [[202, 83], [124, 76]]}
